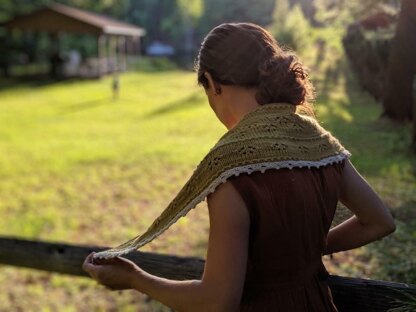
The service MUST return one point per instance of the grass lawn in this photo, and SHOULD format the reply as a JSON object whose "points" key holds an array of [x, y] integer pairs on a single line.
{"points": [[79, 167]]}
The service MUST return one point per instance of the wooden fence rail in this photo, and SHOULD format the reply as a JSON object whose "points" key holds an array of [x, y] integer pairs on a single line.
{"points": [[350, 294]]}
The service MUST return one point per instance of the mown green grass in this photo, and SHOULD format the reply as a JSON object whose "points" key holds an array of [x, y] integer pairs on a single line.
{"points": [[79, 167], [71, 144]]}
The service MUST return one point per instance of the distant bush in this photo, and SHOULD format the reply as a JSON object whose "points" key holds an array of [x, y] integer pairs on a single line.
{"points": [[368, 52], [291, 28]]}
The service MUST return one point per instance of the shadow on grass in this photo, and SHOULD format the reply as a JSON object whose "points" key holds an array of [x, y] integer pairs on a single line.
{"points": [[31, 81], [91, 104], [394, 255], [86, 105], [191, 101]]}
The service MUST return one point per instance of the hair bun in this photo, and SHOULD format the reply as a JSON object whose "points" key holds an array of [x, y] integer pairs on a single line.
{"points": [[282, 78], [259, 62]]}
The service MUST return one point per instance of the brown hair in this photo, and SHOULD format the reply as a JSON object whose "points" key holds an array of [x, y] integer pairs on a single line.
{"points": [[245, 54]]}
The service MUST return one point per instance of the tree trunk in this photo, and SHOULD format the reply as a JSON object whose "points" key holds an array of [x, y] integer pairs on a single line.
{"points": [[398, 95], [414, 115]]}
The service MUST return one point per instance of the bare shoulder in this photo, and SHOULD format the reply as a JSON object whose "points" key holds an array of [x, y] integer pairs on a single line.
{"points": [[353, 183], [227, 203]]}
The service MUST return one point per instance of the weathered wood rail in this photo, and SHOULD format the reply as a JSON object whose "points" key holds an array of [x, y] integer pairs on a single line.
{"points": [[350, 294]]}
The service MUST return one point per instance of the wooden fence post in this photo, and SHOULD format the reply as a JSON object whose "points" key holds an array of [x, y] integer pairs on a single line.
{"points": [[350, 294]]}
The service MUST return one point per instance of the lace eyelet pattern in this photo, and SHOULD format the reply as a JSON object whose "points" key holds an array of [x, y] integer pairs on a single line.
{"points": [[273, 136]]}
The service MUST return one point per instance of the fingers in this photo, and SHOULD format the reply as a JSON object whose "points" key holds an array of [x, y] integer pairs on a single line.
{"points": [[112, 273], [101, 261], [89, 264]]}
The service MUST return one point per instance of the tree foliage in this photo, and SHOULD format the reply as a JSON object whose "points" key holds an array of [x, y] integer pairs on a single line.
{"points": [[344, 12], [216, 12], [161, 18], [289, 26], [183, 23]]}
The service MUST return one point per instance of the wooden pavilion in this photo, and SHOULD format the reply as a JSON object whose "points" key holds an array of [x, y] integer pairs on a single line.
{"points": [[115, 39]]}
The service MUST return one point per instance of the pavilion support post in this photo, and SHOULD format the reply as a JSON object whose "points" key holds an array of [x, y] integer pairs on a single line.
{"points": [[137, 45], [114, 54], [15, 35], [115, 59], [101, 41], [6, 57], [55, 58], [130, 46], [104, 54], [414, 113], [108, 54], [122, 53]]}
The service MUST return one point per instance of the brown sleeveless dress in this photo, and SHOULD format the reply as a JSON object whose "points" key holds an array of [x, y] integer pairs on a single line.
{"points": [[291, 211]]}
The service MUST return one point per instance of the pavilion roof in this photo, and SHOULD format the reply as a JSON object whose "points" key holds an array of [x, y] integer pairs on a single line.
{"points": [[57, 18]]}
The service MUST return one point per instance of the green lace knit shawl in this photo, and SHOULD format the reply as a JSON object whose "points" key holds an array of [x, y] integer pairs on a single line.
{"points": [[272, 136]]}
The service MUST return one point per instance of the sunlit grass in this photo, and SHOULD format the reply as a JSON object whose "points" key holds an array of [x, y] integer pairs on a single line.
{"points": [[79, 167], [67, 140]]}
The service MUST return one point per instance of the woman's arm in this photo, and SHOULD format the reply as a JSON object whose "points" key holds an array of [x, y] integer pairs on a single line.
{"points": [[372, 219], [222, 283]]}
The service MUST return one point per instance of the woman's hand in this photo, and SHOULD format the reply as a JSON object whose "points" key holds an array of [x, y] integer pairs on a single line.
{"points": [[115, 274]]}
